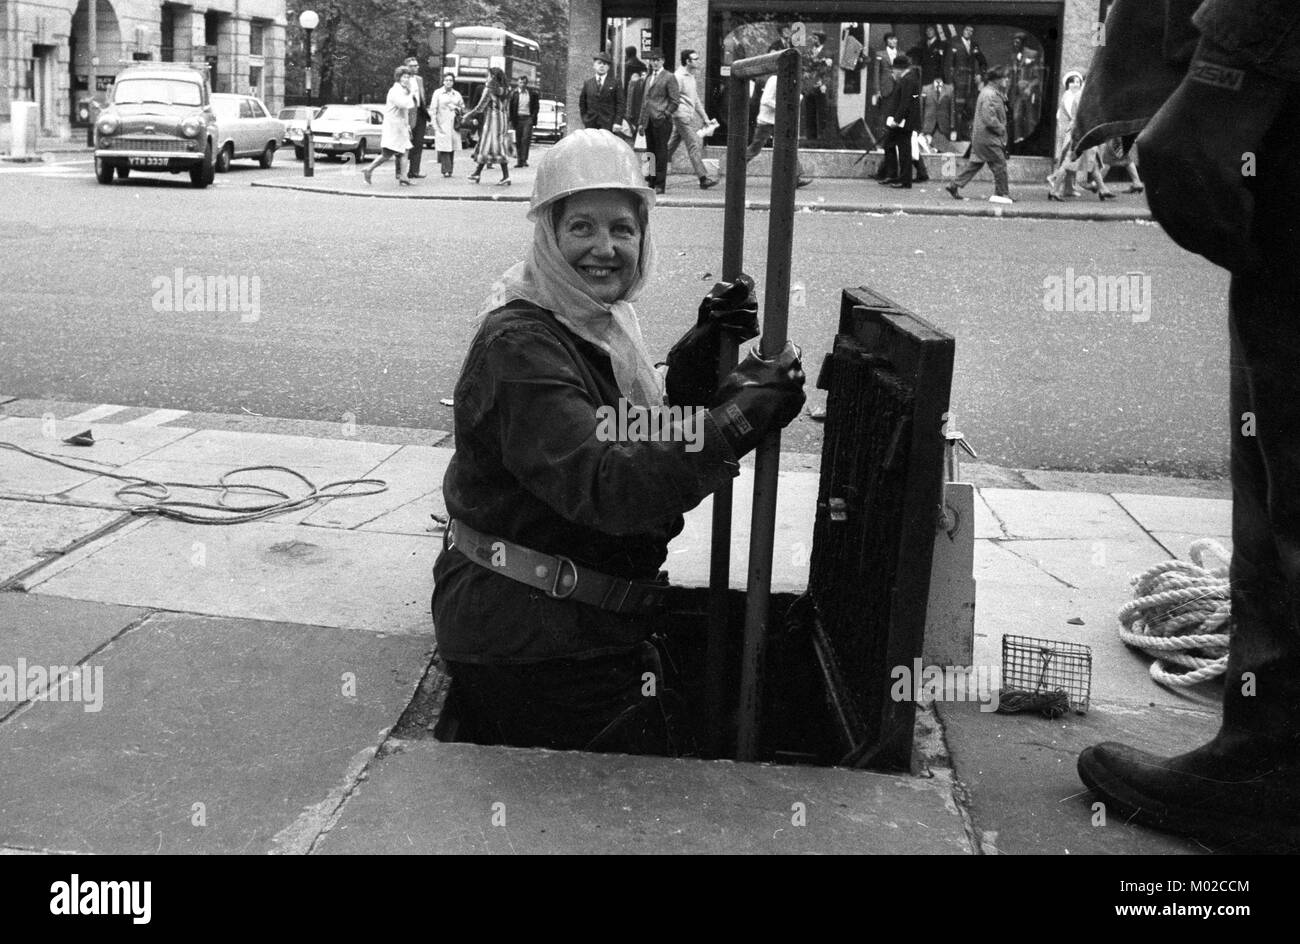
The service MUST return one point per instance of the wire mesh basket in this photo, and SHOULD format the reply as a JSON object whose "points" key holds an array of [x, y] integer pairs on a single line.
{"points": [[1040, 668]]}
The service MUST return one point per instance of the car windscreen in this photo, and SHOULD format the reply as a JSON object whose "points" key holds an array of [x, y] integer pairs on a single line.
{"points": [[157, 91], [344, 113], [227, 109]]}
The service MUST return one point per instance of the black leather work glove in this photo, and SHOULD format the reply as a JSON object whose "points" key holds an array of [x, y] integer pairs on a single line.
{"points": [[729, 308], [758, 397]]}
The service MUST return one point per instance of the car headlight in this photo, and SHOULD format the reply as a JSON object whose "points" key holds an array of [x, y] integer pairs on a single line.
{"points": [[108, 124], [346, 135], [191, 126], [295, 132]]}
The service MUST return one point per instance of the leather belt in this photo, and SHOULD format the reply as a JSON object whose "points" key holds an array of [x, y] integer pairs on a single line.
{"points": [[558, 577]]}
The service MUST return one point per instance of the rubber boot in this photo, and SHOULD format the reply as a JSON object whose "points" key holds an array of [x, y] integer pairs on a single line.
{"points": [[1241, 791]]}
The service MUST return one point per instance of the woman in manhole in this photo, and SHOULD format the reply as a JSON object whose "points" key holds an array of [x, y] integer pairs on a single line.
{"points": [[576, 456]]}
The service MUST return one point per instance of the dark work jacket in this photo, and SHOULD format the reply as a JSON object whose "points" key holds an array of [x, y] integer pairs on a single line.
{"points": [[530, 468], [1128, 84]]}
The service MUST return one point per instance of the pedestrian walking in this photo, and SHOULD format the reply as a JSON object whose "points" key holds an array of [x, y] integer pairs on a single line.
{"points": [[548, 588], [448, 105], [690, 118], [1240, 792], [989, 138], [766, 128], [419, 117], [1061, 182], [660, 98], [395, 137], [493, 135], [524, 106]]}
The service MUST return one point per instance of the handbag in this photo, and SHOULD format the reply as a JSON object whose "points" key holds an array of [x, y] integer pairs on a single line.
{"points": [[639, 144]]}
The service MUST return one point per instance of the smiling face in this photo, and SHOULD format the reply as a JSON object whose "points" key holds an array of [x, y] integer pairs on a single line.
{"points": [[448, 80], [599, 234]]}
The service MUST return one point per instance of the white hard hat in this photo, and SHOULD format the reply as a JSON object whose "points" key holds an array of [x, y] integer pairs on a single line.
{"points": [[589, 159]]}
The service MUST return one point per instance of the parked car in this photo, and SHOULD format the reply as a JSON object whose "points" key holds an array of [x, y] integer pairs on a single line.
{"points": [[245, 129], [343, 129], [159, 118], [550, 124], [295, 116]]}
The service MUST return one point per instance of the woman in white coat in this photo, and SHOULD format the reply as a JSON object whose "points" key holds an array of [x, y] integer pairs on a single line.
{"points": [[447, 104], [396, 137]]}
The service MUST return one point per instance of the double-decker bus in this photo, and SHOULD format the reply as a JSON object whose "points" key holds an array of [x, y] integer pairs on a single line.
{"points": [[478, 48]]}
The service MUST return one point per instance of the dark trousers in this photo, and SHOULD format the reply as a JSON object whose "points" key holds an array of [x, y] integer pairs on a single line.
{"points": [[600, 704], [814, 104], [997, 164], [447, 161], [658, 131], [523, 139], [417, 143], [898, 149]]}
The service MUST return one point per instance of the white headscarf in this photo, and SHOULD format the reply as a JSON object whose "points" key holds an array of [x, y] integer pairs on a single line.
{"points": [[548, 281]]}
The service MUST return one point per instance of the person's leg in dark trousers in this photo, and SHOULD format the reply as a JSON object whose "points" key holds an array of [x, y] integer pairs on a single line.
{"points": [[1241, 791], [966, 176], [900, 145], [998, 164], [657, 133], [417, 146], [523, 140]]}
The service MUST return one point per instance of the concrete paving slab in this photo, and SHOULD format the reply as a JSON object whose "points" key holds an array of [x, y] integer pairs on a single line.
{"points": [[349, 458], [796, 512], [415, 517], [1081, 516], [1166, 513], [433, 797], [249, 719], [1101, 563], [50, 631], [263, 570], [413, 473], [986, 523], [1043, 807], [1119, 674], [1112, 483], [114, 446], [996, 563], [38, 531]]}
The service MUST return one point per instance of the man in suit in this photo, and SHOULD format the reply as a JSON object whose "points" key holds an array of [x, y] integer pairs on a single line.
{"points": [[902, 117], [659, 103], [967, 63], [882, 88], [600, 104], [419, 116], [817, 80], [524, 105]]}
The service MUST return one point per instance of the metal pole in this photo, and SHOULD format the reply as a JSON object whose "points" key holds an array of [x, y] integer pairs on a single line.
{"points": [[767, 459], [309, 147], [733, 255]]}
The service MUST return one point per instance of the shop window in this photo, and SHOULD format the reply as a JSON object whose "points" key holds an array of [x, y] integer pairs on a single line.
{"points": [[844, 101], [256, 35]]}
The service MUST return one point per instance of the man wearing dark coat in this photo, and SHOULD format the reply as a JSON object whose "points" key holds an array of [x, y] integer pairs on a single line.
{"points": [[903, 117], [989, 138], [600, 104]]}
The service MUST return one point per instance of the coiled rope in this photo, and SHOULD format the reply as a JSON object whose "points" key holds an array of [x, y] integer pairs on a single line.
{"points": [[159, 501], [1181, 615]]}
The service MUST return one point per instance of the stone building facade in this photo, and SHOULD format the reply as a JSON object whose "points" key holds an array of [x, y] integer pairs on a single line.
{"points": [[1050, 37], [57, 54]]}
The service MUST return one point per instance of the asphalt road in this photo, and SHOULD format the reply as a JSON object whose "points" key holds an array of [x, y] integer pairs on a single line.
{"points": [[365, 307]]}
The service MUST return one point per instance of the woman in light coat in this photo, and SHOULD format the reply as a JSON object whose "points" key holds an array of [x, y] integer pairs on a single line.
{"points": [[395, 140], [447, 104]]}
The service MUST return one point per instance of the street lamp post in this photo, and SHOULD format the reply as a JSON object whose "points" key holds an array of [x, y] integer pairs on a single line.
{"points": [[308, 20], [443, 25]]}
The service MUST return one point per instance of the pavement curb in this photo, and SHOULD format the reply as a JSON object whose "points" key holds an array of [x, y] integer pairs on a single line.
{"points": [[964, 208]]}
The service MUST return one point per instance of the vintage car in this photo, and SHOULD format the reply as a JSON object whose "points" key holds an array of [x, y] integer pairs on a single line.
{"points": [[158, 119], [550, 120], [343, 129], [295, 117], [245, 129]]}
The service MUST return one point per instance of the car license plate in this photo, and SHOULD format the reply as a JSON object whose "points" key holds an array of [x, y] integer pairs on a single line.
{"points": [[150, 161]]}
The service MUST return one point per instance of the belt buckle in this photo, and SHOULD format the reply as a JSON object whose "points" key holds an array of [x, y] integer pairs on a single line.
{"points": [[554, 592]]}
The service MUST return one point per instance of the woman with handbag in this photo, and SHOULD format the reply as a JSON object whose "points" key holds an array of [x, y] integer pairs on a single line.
{"points": [[448, 105], [494, 139]]}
